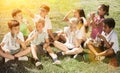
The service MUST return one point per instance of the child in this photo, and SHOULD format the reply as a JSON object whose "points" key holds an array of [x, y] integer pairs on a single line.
{"points": [[74, 38], [97, 21], [109, 38], [12, 41], [5, 55], [79, 14], [25, 28], [40, 38], [44, 10]]}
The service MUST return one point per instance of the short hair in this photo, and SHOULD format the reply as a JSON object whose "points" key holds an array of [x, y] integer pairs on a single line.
{"points": [[40, 21], [45, 7], [15, 12], [110, 22], [13, 23]]}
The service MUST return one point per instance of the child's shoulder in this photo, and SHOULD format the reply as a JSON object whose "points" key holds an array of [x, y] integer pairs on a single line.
{"points": [[7, 34]]}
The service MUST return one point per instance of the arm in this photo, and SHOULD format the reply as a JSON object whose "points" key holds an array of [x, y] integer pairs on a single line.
{"points": [[28, 25], [31, 38], [51, 34], [105, 41], [66, 16]]}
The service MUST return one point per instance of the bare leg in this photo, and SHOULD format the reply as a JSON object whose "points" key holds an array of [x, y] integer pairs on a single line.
{"points": [[6, 55], [22, 53], [73, 51], [34, 52], [60, 46], [49, 50], [91, 47]]}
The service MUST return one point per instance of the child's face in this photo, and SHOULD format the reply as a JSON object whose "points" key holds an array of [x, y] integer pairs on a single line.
{"points": [[106, 29], [100, 11], [76, 14], [15, 30], [43, 12], [39, 27], [19, 16]]}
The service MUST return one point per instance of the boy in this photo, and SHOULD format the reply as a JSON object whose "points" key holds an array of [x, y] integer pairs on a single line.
{"points": [[44, 10], [40, 38], [12, 41], [108, 37], [25, 28]]}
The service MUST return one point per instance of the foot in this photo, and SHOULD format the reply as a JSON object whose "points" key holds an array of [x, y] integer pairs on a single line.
{"points": [[38, 64], [57, 62], [24, 58]]}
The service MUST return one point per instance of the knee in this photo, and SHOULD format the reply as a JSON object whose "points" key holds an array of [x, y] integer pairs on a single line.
{"points": [[79, 50]]}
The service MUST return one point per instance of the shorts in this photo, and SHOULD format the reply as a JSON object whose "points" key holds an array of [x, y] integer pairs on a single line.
{"points": [[14, 51], [40, 49]]}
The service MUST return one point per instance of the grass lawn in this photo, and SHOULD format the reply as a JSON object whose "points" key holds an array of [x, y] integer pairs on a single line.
{"points": [[58, 10]]}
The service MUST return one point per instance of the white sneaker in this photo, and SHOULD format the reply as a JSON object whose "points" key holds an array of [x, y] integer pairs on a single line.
{"points": [[57, 62], [38, 63], [75, 56], [6, 59], [24, 58]]}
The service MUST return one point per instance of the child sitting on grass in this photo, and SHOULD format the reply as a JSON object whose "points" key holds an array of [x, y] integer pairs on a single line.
{"points": [[25, 27], [40, 38], [12, 42], [109, 40], [75, 38]]}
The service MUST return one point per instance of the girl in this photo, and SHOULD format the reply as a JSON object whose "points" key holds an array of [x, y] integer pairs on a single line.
{"points": [[79, 14], [97, 20]]}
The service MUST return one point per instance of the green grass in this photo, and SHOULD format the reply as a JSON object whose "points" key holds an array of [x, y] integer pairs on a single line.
{"points": [[58, 10]]}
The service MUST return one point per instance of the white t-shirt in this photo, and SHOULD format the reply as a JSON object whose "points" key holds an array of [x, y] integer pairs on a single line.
{"points": [[48, 24], [70, 36], [10, 42], [40, 38], [82, 33], [112, 38]]}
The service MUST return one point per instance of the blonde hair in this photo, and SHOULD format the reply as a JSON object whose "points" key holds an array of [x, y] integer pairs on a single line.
{"points": [[42, 21]]}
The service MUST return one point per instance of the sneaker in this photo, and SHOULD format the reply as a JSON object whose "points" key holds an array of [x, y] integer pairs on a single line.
{"points": [[75, 56], [6, 60], [24, 58], [38, 64], [57, 62], [59, 54]]}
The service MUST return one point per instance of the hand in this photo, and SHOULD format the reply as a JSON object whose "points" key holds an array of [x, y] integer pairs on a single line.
{"points": [[100, 36], [92, 15]]}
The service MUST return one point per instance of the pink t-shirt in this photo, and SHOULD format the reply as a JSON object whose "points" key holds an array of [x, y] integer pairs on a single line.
{"points": [[97, 26]]}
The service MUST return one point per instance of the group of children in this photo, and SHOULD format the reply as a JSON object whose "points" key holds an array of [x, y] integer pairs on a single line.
{"points": [[17, 43]]}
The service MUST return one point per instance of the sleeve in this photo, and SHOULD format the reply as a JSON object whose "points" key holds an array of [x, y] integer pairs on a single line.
{"points": [[36, 18], [20, 36], [115, 45], [5, 39], [31, 34], [48, 22], [66, 29]]}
